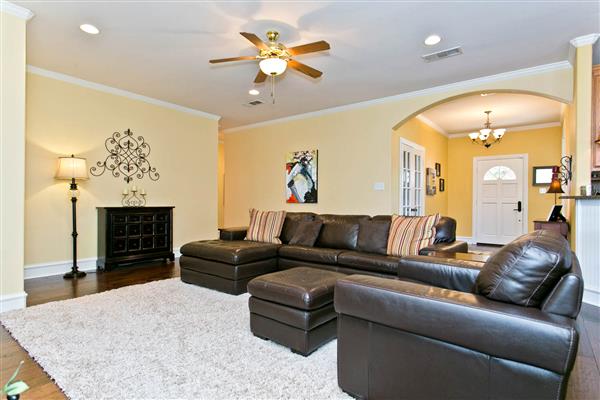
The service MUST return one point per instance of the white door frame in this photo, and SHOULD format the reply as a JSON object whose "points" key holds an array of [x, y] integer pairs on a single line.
{"points": [[525, 219], [406, 142]]}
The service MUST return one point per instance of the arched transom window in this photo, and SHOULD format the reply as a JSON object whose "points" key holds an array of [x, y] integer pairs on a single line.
{"points": [[499, 172]]}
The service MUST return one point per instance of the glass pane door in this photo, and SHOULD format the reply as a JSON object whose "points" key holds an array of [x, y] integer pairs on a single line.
{"points": [[412, 182]]}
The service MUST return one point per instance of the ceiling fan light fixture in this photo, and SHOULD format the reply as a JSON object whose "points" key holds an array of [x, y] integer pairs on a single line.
{"points": [[273, 66]]}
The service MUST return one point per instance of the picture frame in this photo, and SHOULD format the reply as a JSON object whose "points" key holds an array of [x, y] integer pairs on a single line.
{"points": [[430, 182], [542, 175], [438, 169], [442, 184]]}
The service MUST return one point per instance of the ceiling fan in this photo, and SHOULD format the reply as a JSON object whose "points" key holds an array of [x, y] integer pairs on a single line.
{"points": [[274, 57]]}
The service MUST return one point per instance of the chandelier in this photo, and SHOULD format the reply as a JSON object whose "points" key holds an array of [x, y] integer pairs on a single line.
{"points": [[487, 136]]}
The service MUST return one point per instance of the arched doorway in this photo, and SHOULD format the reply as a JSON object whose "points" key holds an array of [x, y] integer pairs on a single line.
{"points": [[535, 127]]}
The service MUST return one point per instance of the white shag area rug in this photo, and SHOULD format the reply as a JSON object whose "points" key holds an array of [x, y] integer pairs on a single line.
{"points": [[166, 340]]}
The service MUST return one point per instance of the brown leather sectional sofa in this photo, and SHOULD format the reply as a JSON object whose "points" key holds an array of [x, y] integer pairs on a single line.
{"points": [[229, 263], [504, 329]]}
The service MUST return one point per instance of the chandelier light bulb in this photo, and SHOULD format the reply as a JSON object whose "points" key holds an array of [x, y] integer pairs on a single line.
{"points": [[273, 66], [473, 135], [498, 133]]}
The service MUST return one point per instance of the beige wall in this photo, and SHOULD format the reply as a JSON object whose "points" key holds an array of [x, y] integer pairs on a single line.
{"points": [[12, 153], [543, 147], [436, 151], [64, 118], [221, 180], [355, 149]]}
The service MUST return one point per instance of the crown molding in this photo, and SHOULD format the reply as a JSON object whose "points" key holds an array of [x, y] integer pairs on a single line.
{"points": [[119, 92], [432, 125], [17, 11], [514, 129], [417, 93], [585, 40]]}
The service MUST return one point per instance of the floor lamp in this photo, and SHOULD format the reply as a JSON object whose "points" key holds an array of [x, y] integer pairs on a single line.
{"points": [[73, 169]]}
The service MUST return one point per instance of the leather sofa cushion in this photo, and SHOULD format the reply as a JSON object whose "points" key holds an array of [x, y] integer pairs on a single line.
{"points": [[525, 270], [303, 288], [373, 236], [448, 273], [290, 224], [312, 254], [369, 262], [307, 233], [445, 229], [230, 251], [339, 231]]}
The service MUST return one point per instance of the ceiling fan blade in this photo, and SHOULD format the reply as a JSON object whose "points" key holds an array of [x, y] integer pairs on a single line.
{"points": [[222, 60], [309, 48], [305, 69], [255, 40], [260, 77]]}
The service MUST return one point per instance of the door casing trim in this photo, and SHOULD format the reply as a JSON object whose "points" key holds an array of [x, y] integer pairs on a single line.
{"points": [[407, 142]]}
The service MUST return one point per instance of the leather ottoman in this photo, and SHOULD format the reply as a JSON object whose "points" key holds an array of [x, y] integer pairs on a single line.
{"points": [[294, 308], [224, 265]]}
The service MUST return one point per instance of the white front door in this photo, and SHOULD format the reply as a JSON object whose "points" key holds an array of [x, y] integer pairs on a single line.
{"points": [[412, 179], [500, 206]]}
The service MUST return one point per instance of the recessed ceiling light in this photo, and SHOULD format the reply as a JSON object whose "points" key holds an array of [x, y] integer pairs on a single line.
{"points": [[89, 28], [253, 92], [432, 40]]}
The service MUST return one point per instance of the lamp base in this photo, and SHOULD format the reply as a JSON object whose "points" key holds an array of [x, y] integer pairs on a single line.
{"points": [[74, 275]]}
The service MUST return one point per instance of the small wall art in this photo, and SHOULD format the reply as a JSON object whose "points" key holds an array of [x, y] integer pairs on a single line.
{"points": [[301, 176]]}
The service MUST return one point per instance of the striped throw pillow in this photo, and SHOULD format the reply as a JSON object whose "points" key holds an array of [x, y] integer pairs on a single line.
{"points": [[265, 226], [408, 235]]}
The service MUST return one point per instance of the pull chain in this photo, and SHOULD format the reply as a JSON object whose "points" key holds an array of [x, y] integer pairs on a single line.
{"points": [[273, 88]]}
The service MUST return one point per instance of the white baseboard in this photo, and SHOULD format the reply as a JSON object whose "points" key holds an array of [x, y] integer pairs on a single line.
{"points": [[62, 267], [467, 239], [58, 268], [13, 301], [592, 297]]}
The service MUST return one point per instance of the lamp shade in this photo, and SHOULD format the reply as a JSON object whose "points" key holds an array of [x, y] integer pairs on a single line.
{"points": [[71, 168], [555, 186], [273, 66]]}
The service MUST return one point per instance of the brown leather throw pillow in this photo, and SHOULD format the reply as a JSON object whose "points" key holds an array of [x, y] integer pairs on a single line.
{"points": [[306, 233]]}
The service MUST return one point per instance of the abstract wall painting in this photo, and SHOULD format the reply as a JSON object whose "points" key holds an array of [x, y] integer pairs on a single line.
{"points": [[301, 176]]}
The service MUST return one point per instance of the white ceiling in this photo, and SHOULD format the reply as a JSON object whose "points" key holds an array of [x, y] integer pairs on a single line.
{"points": [[161, 49], [466, 114]]}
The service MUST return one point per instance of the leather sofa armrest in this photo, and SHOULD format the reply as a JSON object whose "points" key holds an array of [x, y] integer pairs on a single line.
{"points": [[454, 247], [501, 330], [237, 233], [446, 273]]}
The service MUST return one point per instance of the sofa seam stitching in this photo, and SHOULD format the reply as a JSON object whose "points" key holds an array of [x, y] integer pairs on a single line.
{"points": [[542, 282], [510, 268]]}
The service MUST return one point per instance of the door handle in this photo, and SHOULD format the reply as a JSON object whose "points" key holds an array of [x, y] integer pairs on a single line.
{"points": [[519, 207]]}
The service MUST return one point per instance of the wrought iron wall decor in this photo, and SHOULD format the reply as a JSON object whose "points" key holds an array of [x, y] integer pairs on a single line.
{"points": [[127, 156]]}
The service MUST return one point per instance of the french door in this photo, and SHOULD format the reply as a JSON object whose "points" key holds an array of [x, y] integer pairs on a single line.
{"points": [[500, 204], [412, 178]]}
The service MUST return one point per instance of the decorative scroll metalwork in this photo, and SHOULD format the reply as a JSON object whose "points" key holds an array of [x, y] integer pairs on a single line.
{"points": [[565, 169], [127, 156]]}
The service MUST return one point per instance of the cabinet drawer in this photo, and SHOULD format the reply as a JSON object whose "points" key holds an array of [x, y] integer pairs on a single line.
{"points": [[119, 219], [161, 242], [134, 229], [160, 228], [148, 217], [134, 218], [119, 246], [134, 244], [147, 242], [161, 217], [147, 229], [119, 230]]}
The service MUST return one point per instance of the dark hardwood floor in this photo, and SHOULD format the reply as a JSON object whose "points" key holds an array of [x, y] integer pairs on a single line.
{"points": [[583, 385]]}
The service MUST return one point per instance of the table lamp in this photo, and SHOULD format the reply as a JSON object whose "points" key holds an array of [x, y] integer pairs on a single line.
{"points": [[73, 169], [555, 184]]}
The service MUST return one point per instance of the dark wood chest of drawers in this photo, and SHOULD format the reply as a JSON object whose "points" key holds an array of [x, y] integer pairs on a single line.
{"points": [[129, 234]]}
